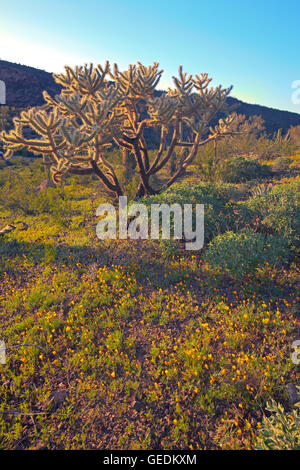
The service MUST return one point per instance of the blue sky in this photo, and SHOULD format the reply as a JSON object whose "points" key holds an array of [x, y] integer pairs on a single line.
{"points": [[251, 44]]}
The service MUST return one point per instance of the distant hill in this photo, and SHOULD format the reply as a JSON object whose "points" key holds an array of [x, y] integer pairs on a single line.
{"points": [[24, 86], [275, 119]]}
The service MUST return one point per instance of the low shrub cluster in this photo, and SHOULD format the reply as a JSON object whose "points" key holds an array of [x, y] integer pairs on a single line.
{"points": [[281, 164], [246, 235], [221, 214], [242, 253], [279, 212], [240, 169]]}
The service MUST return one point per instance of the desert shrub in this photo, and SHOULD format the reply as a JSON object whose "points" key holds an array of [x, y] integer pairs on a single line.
{"points": [[260, 190], [220, 214], [19, 197], [238, 254], [240, 169], [17, 184], [279, 211], [281, 164], [281, 431], [50, 252], [53, 201], [295, 165]]}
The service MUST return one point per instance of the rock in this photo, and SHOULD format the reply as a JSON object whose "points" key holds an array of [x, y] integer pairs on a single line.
{"points": [[292, 393], [58, 397]]}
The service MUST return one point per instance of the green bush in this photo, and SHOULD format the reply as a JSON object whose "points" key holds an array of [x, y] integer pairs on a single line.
{"points": [[20, 197], [295, 166], [220, 214], [281, 431], [239, 254], [240, 169], [281, 164], [279, 211]]}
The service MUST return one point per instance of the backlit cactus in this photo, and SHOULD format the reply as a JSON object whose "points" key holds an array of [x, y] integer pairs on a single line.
{"points": [[99, 107]]}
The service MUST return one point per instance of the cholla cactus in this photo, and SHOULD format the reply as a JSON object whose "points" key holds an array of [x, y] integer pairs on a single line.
{"points": [[99, 107]]}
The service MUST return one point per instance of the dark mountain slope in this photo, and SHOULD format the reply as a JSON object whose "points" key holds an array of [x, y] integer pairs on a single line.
{"points": [[24, 85], [274, 118]]}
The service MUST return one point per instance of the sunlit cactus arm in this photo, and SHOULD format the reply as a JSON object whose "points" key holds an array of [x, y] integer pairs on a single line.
{"points": [[183, 165], [162, 110], [158, 164], [221, 130], [103, 161], [14, 140], [138, 81], [162, 145], [195, 110], [86, 80]]}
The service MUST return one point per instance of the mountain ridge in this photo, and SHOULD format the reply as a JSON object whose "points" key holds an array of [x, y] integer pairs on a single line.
{"points": [[24, 86]]}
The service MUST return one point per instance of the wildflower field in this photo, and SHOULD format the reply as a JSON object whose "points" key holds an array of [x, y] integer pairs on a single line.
{"points": [[126, 344]]}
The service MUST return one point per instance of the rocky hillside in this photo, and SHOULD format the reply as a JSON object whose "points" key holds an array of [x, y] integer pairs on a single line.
{"points": [[24, 85]]}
